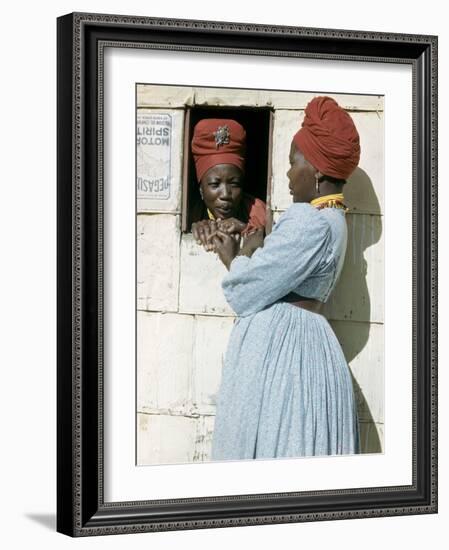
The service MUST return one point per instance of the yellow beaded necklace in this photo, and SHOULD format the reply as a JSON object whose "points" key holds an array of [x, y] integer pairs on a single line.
{"points": [[334, 200]]}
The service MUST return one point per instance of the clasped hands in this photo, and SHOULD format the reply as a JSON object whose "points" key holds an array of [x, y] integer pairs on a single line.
{"points": [[223, 237]]}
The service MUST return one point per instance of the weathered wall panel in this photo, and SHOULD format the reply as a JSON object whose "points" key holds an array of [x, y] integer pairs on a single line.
{"points": [[211, 339], [158, 245], [203, 439], [371, 437], [165, 439], [359, 293], [181, 96], [164, 355], [200, 280], [270, 98], [363, 346], [164, 96]]}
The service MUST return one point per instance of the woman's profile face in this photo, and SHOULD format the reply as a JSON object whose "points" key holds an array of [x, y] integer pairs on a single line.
{"points": [[222, 190], [301, 176]]}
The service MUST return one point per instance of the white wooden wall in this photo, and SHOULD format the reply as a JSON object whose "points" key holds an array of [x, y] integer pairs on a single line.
{"points": [[183, 319]]}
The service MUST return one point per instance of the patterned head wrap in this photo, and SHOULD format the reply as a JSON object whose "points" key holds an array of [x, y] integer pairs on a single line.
{"points": [[218, 141]]}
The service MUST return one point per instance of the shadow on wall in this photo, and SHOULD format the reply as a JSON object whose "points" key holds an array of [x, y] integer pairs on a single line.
{"points": [[351, 310]]}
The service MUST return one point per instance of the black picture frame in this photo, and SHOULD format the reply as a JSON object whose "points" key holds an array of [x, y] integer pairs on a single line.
{"points": [[81, 510]]}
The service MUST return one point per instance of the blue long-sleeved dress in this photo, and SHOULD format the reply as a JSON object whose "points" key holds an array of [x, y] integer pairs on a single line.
{"points": [[286, 388]]}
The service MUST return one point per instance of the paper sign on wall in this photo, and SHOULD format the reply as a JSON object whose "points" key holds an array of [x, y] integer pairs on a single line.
{"points": [[158, 148]]}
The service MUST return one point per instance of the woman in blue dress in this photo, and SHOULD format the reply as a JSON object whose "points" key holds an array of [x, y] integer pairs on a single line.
{"points": [[286, 388]]}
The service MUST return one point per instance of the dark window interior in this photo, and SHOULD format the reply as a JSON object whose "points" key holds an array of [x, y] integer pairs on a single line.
{"points": [[257, 123]]}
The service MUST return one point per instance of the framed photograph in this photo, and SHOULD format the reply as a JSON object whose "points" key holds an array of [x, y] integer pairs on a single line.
{"points": [[247, 274]]}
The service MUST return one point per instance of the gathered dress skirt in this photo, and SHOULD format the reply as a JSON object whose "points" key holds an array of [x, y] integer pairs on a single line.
{"points": [[286, 389]]}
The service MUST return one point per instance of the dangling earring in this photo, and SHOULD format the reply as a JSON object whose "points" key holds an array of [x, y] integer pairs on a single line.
{"points": [[317, 182]]}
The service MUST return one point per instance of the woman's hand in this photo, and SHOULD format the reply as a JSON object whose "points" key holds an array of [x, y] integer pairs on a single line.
{"points": [[202, 232], [231, 225], [226, 246], [252, 242]]}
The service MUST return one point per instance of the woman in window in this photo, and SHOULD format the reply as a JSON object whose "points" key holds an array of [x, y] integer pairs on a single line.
{"points": [[219, 149], [286, 388]]}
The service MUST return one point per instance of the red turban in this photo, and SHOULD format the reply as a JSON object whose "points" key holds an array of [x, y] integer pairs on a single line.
{"points": [[218, 141], [328, 138]]}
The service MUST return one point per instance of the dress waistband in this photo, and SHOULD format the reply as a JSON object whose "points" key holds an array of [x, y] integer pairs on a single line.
{"points": [[305, 302]]}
